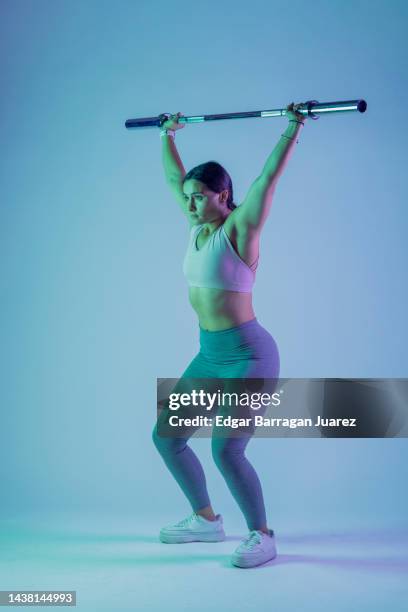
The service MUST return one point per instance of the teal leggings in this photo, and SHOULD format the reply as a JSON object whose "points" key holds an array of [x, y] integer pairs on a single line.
{"points": [[245, 351]]}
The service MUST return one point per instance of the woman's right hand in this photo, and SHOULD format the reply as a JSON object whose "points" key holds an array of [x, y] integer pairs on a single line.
{"points": [[172, 123]]}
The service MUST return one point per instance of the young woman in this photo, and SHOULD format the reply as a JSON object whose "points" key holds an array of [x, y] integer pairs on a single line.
{"points": [[220, 267]]}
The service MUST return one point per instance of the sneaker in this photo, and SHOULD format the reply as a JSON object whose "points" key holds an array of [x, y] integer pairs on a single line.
{"points": [[194, 528], [257, 548]]}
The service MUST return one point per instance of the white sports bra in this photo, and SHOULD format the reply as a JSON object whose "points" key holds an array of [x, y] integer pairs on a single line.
{"points": [[217, 265]]}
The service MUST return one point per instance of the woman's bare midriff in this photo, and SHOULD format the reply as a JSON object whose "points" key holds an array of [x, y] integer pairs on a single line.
{"points": [[218, 309]]}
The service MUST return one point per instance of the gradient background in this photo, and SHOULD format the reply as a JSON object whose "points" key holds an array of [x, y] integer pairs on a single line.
{"points": [[94, 305]]}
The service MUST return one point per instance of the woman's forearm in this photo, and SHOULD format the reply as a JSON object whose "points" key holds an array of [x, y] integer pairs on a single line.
{"points": [[173, 166], [279, 157]]}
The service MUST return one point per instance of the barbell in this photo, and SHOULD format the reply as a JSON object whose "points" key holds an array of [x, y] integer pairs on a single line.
{"points": [[312, 109]]}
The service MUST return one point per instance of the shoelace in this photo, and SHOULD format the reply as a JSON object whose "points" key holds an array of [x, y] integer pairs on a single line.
{"points": [[253, 538], [186, 521]]}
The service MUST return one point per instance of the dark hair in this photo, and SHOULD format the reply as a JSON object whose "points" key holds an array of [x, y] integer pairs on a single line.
{"points": [[215, 177]]}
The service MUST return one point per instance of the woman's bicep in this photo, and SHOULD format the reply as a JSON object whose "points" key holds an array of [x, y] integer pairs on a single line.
{"points": [[176, 187]]}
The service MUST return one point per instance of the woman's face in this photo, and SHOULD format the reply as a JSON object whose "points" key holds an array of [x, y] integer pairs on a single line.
{"points": [[203, 204]]}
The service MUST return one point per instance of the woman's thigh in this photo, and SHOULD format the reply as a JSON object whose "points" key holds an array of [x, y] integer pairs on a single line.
{"points": [[254, 355], [198, 375]]}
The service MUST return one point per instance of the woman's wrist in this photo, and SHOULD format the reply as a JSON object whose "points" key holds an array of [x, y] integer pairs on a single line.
{"points": [[167, 132], [294, 123], [292, 130]]}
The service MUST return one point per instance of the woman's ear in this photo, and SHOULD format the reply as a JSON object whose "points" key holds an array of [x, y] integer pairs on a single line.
{"points": [[224, 196]]}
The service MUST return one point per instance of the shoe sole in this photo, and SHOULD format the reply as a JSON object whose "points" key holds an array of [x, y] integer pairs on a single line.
{"points": [[250, 562], [191, 537]]}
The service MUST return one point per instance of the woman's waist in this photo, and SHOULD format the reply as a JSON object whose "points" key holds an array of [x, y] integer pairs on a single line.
{"points": [[245, 340], [218, 309]]}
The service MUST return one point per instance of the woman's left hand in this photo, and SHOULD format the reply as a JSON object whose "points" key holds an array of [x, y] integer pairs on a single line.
{"points": [[291, 112]]}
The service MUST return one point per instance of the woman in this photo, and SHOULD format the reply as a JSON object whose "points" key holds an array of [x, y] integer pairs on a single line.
{"points": [[220, 266]]}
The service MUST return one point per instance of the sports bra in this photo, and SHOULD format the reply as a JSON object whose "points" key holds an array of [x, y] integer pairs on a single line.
{"points": [[217, 265]]}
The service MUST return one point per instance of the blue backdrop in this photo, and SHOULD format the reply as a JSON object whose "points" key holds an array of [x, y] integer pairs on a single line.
{"points": [[93, 301]]}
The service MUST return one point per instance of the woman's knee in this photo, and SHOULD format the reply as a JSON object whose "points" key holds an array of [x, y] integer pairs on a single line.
{"points": [[226, 451], [167, 445]]}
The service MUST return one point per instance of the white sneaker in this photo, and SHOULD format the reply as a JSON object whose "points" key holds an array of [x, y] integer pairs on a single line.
{"points": [[257, 548], [194, 528]]}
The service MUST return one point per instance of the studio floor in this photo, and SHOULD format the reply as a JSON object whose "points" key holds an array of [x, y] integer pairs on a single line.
{"points": [[114, 564]]}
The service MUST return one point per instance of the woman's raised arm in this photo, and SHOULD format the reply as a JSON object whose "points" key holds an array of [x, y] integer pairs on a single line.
{"points": [[280, 155], [253, 212], [172, 164]]}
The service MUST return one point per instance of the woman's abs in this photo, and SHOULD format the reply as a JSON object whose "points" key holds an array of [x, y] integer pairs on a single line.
{"points": [[218, 309]]}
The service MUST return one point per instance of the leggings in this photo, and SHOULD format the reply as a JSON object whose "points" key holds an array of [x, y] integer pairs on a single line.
{"points": [[245, 351]]}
